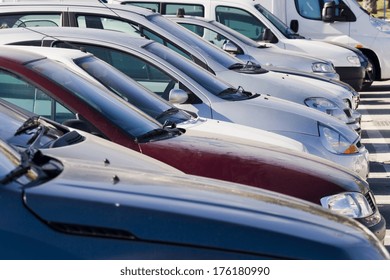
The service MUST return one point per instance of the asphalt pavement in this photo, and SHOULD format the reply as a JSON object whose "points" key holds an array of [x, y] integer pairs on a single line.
{"points": [[375, 110]]}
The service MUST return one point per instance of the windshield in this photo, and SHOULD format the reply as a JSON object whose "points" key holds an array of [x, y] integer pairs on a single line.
{"points": [[235, 34], [192, 39], [130, 90], [208, 81], [280, 25], [120, 112]]}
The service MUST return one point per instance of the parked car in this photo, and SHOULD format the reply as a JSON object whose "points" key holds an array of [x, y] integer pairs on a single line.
{"points": [[67, 208], [141, 22], [163, 72], [268, 55], [61, 94], [246, 18], [339, 21]]}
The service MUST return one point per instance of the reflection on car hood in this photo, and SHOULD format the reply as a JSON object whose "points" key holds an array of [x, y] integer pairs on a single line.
{"points": [[232, 132], [152, 207]]}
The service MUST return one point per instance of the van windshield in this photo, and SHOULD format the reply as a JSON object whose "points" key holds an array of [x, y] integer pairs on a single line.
{"points": [[280, 25]]}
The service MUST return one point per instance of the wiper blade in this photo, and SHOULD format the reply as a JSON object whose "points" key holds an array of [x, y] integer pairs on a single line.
{"points": [[30, 123], [152, 134], [169, 112], [22, 169], [227, 92], [236, 66]]}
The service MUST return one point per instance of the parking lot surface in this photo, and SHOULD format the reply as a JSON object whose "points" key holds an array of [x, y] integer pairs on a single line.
{"points": [[375, 108]]}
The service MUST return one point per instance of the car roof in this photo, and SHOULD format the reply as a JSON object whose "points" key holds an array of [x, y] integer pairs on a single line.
{"points": [[60, 33], [18, 55]]}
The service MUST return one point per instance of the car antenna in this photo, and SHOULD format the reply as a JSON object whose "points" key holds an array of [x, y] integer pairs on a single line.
{"points": [[83, 49]]}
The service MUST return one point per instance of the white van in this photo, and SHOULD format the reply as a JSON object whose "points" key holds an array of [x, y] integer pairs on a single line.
{"points": [[245, 17], [343, 21]]}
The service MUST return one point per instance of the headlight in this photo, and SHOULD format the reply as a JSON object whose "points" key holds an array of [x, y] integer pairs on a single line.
{"points": [[354, 60], [327, 106], [380, 24], [320, 67], [335, 142], [350, 204]]}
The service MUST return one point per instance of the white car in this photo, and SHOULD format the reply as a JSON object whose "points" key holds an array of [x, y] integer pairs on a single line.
{"points": [[204, 94]]}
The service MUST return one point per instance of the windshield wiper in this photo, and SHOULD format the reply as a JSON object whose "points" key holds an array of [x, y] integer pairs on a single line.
{"points": [[227, 91], [166, 113], [236, 66], [22, 169]]}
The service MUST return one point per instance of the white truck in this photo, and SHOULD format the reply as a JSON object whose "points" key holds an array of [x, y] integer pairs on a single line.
{"points": [[251, 19], [341, 21]]}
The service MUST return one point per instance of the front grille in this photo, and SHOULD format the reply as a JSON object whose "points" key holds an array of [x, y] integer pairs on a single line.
{"points": [[348, 113], [371, 200]]}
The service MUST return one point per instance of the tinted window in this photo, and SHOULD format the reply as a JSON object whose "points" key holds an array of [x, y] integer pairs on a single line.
{"points": [[308, 9], [155, 7], [21, 93], [101, 22], [129, 89], [203, 78], [189, 9], [208, 34], [30, 20], [115, 109], [241, 21]]}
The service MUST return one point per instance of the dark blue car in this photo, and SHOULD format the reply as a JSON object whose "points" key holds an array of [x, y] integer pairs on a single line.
{"points": [[61, 207]]}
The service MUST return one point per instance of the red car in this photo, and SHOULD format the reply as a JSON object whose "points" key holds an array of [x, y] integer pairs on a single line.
{"points": [[50, 89]]}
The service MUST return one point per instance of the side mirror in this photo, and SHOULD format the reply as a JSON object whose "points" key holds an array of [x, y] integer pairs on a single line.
{"points": [[294, 25], [230, 47], [178, 96], [268, 36], [329, 11]]}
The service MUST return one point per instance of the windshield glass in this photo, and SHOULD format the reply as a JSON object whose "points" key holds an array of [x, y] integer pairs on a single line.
{"points": [[280, 25], [208, 81], [235, 34], [120, 112], [129, 90], [192, 39]]}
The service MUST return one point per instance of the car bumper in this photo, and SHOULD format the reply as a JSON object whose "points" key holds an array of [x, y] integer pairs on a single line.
{"points": [[376, 224], [354, 76]]}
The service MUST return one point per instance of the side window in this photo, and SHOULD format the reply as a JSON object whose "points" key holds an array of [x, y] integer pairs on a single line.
{"points": [[155, 7], [189, 9], [31, 20], [210, 35], [157, 38], [310, 9], [30, 98], [97, 22], [241, 21], [138, 69]]}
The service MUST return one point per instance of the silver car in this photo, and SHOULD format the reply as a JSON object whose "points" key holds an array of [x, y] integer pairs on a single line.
{"points": [[192, 88], [268, 55], [320, 95]]}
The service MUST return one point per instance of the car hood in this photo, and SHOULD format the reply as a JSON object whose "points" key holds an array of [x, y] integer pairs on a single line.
{"points": [[278, 115], [108, 153], [150, 207], [232, 132], [337, 55], [285, 86]]}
